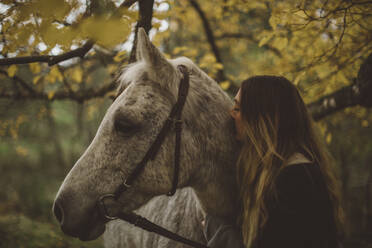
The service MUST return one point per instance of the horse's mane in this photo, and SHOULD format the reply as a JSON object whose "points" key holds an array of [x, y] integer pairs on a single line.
{"points": [[130, 72]]}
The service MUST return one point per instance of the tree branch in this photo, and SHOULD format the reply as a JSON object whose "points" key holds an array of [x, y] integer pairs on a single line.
{"points": [[21, 82], [50, 59], [210, 37], [326, 105], [364, 82], [127, 3], [145, 17], [358, 93], [79, 96]]}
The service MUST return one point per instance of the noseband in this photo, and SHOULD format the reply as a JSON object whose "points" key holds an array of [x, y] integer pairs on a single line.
{"points": [[174, 120]]}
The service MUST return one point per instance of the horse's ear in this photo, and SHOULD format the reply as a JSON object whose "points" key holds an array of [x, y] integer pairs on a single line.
{"points": [[138, 53], [147, 52]]}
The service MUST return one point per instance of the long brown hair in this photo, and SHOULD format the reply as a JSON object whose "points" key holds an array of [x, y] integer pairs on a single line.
{"points": [[276, 124]]}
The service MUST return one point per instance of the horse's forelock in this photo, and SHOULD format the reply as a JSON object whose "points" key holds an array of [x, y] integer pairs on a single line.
{"points": [[128, 74], [201, 85], [141, 71]]}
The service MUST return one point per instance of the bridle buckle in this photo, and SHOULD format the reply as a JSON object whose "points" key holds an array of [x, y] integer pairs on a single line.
{"points": [[126, 184], [102, 207], [174, 120]]}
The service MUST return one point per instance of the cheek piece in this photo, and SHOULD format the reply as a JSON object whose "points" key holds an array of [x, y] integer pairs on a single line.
{"points": [[108, 204]]}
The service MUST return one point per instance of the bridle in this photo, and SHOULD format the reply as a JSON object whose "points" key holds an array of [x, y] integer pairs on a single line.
{"points": [[174, 120]]}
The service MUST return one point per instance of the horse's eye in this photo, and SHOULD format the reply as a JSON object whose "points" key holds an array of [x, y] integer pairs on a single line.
{"points": [[125, 126]]}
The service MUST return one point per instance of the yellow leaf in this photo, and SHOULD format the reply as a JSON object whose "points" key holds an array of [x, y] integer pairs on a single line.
{"points": [[191, 53], [179, 49], [111, 94], [265, 39], [280, 42], [12, 70], [21, 151], [218, 66], [207, 60], [36, 79], [365, 123], [54, 75], [225, 85], [112, 68], [161, 15], [298, 77], [35, 68], [120, 56], [257, 5], [51, 95], [329, 138], [274, 21], [107, 32], [58, 74], [77, 75], [156, 25], [301, 14], [167, 56], [6, 25]]}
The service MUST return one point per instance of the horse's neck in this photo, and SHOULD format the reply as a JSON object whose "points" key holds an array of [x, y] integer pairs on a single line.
{"points": [[217, 194], [215, 183]]}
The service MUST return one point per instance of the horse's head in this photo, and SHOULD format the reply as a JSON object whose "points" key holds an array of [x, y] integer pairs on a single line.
{"points": [[148, 90]]}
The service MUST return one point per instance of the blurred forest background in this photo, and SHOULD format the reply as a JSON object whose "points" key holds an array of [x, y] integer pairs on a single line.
{"points": [[59, 60]]}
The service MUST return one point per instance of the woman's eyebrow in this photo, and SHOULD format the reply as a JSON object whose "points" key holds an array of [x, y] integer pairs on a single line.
{"points": [[236, 101]]}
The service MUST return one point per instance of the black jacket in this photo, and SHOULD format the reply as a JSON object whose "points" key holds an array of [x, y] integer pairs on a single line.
{"points": [[299, 217]]}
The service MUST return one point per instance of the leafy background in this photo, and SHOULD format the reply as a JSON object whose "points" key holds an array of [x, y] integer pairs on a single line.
{"points": [[49, 114]]}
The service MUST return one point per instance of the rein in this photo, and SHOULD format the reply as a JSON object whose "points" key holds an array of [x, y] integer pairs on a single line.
{"points": [[174, 120]]}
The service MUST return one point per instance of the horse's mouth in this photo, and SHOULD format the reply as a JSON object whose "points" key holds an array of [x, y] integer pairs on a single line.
{"points": [[92, 234], [87, 231]]}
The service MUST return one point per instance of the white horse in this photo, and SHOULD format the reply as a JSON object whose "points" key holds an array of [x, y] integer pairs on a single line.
{"points": [[148, 90]]}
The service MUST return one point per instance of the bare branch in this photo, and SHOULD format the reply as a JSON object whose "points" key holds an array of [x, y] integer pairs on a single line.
{"points": [[341, 36], [79, 96], [345, 97], [210, 37], [51, 60], [358, 93], [145, 17], [127, 3], [66, 84], [21, 82]]}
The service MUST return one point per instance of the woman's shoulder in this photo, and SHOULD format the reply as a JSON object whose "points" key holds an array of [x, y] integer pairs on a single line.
{"points": [[299, 174], [300, 180], [299, 168], [298, 187]]}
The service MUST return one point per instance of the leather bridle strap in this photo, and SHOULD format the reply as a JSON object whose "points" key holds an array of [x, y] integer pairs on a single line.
{"points": [[152, 227], [174, 119]]}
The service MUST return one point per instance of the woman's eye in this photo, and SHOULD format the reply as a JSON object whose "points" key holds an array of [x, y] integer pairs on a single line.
{"points": [[236, 109], [125, 126]]}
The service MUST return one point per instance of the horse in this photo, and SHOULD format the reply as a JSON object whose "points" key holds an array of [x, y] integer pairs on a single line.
{"points": [[146, 93]]}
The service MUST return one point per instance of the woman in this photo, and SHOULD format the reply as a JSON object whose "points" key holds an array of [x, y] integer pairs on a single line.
{"points": [[288, 192]]}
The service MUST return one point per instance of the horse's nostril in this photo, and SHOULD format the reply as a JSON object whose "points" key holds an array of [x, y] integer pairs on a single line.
{"points": [[58, 212]]}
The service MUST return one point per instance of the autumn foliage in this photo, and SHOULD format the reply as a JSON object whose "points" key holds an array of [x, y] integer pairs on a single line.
{"points": [[59, 61]]}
